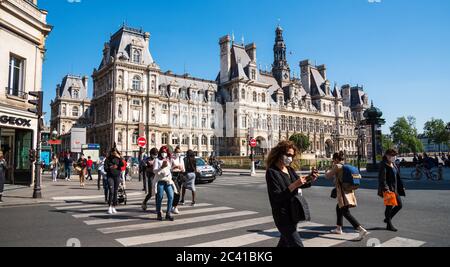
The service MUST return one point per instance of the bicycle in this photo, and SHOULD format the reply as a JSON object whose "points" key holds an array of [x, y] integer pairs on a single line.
{"points": [[421, 172]]}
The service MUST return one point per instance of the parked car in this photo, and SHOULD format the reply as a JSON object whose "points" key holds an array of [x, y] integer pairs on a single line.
{"points": [[205, 172]]}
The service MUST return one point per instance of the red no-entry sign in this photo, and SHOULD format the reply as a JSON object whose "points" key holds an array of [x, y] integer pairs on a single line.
{"points": [[253, 143], [142, 142]]}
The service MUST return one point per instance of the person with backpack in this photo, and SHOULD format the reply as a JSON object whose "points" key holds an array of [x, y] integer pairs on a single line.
{"points": [[284, 188], [389, 182], [149, 176], [113, 167], [347, 179]]}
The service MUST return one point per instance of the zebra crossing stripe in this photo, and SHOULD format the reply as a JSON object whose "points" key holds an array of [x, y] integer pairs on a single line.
{"points": [[248, 239], [87, 215], [173, 235], [329, 240], [402, 242], [69, 198], [152, 225], [147, 216], [232, 183]]}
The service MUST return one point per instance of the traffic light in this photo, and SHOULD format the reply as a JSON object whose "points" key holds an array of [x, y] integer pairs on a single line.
{"points": [[38, 103], [32, 155]]}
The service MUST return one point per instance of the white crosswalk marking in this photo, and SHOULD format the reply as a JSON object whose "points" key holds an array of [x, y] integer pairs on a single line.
{"points": [[153, 225], [69, 198], [187, 212], [402, 242], [153, 238], [87, 215]]}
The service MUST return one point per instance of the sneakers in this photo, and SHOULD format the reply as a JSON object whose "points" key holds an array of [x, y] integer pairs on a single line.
{"points": [[362, 233], [159, 216], [110, 211], [175, 211], [193, 204], [144, 206], [169, 217], [337, 231], [114, 210]]}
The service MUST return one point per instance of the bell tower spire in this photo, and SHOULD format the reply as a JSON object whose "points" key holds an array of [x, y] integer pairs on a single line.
{"points": [[281, 70]]}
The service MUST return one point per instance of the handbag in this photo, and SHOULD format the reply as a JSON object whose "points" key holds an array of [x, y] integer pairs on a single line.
{"points": [[390, 199], [334, 193]]}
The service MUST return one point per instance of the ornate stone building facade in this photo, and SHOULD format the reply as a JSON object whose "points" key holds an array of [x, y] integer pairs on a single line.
{"points": [[71, 107], [133, 97], [23, 32]]}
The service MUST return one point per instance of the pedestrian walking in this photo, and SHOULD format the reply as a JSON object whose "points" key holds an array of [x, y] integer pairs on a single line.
{"points": [[89, 165], [284, 187], [163, 182], [81, 166], [54, 166], [103, 177], [149, 176], [390, 185], [346, 198], [3, 168], [178, 170], [68, 162], [113, 167], [123, 171], [190, 164]]}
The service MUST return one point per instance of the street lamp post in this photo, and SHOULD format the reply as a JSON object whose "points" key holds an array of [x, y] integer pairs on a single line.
{"points": [[360, 142], [373, 119]]}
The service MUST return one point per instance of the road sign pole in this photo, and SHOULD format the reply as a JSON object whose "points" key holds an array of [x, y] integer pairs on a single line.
{"points": [[253, 173]]}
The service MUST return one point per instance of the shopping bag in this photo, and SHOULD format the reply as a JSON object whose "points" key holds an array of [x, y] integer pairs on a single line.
{"points": [[390, 199]]}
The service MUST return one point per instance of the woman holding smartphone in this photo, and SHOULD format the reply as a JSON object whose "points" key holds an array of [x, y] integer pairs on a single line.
{"points": [[163, 182], [283, 185]]}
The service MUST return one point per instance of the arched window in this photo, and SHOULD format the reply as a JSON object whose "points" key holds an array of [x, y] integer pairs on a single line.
{"points": [[137, 56], [120, 111], [119, 138], [204, 122], [235, 94], [185, 140], [194, 140], [175, 120], [75, 112], [255, 97], [75, 94], [194, 122], [164, 139], [243, 94], [135, 137], [204, 140], [137, 83], [212, 141], [175, 140], [263, 98]]}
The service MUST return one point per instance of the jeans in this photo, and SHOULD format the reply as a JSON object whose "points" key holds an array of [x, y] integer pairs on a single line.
{"points": [[68, 173], [163, 186], [392, 211], [113, 184], [89, 171], [105, 186], [345, 212], [289, 236], [149, 189], [54, 174]]}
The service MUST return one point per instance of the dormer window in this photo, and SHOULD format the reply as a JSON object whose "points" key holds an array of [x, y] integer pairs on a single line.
{"points": [[137, 56], [75, 112], [136, 83], [75, 94], [253, 74]]}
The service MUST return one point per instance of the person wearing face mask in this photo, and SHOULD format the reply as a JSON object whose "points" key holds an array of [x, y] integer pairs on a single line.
{"points": [[113, 166], [177, 176], [163, 182], [149, 176], [283, 185], [389, 181], [346, 198]]}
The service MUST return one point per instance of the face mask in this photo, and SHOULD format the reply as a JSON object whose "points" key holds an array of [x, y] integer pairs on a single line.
{"points": [[154, 156], [287, 160], [164, 155]]}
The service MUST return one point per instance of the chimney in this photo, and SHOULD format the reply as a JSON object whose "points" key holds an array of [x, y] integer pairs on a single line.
{"points": [[346, 94], [305, 67], [225, 58], [323, 71], [251, 51], [58, 90]]}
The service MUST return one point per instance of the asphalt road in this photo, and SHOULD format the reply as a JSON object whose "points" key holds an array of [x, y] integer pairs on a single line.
{"points": [[232, 211]]}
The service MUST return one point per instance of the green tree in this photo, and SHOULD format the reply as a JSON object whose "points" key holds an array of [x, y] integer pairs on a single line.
{"points": [[301, 141], [436, 131], [404, 135], [387, 142]]}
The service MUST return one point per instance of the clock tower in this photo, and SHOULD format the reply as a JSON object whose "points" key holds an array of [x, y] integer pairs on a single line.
{"points": [[280, 70]]}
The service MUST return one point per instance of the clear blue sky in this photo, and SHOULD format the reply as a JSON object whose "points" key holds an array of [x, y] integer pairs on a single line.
{"points": [[398, 49]]}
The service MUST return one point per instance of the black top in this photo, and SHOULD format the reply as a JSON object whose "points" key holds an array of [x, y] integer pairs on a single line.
{"points": [[190, 164], [389, 178], [110, 162], [280, 196]]}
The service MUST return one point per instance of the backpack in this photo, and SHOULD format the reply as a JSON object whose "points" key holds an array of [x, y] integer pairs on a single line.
{"points": [[351, 178]]}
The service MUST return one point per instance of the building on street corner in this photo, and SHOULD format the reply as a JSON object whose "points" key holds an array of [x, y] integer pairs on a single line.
{"points": [[23, 31]]}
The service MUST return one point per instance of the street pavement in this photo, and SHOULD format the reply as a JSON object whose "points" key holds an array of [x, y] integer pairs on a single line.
{"points": [[233, 211]]}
